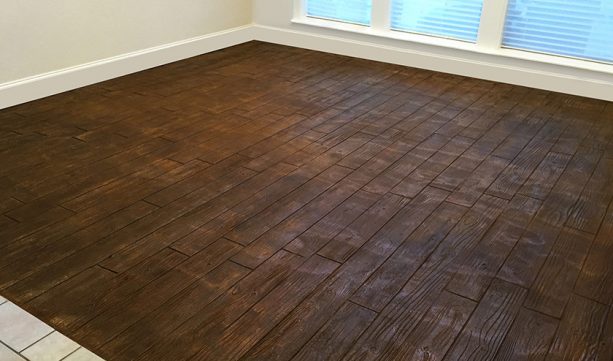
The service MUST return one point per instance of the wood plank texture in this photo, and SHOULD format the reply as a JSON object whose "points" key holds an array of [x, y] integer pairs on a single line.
{"points": [[272, 203]]}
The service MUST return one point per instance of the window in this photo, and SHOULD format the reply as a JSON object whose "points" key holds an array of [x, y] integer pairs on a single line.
{"points": [[574, 28], [351, 11], [458, 19], [579, 29]]}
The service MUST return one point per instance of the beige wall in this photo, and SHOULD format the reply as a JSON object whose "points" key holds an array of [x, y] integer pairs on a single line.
{"points": [[38, 36]]}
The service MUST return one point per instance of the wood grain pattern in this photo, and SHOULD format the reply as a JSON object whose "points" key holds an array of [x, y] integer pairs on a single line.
{"points": [[529, 337], [605, 346], [430, 169], [245, 332], [437, 330], [472, 188], [555, 282], [597, 273], [226, 309], [545, 175], [476, 272], [398, 319], [381, 287], [341, 247], [492, 319], [286, 339], [587, 213], [328, 227], [578, 334], [527, 257], [176, 310], [264, 202], [336, 337]]}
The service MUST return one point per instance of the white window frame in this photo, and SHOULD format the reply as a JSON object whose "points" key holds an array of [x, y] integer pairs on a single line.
{"points": [[489, 39]]}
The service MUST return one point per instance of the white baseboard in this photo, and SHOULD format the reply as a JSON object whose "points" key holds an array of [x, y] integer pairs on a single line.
{"points": [[572, 81], [513, 71], [43, 85]]}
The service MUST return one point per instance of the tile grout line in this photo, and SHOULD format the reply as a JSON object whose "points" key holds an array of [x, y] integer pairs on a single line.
{"points": [[28, 320]]}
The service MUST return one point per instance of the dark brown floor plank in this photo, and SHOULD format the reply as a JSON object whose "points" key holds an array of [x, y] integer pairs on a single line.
{"points": [[545, 175], [529, 337], [336, 336], [226, 309], [476, 272], [216, 199], [381, 287], [579, 331], [250, 230], [556, 280], [328, 227], [472, 188], [49, 258], [436, 331], [588, 212], [524, 262], [148, 331], [405, 165], [596, 278], [238, 338], [78, 304], [398, 319], [489, 324], [113, 321], [286, 339], [9, 204], [341, 247], [605, 346], [430, 169], [275, 203], [522, 166]]}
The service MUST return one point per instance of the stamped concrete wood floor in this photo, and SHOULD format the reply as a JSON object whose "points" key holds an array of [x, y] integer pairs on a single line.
{"points": [[272, 203]]}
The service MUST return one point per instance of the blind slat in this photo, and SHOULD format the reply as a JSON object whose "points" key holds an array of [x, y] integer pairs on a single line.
{"points": [[457, 19], [351, 11], [580, 29]]}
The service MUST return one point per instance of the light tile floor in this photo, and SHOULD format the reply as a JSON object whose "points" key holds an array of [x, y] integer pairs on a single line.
{"points": [[24, 337]]}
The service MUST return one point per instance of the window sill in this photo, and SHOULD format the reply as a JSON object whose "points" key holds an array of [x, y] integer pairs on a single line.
{"points": [[456, 44]]}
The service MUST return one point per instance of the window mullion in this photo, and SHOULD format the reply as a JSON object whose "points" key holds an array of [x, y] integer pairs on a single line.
{"points": [[381, 14], [491, 27], [299, 9]]}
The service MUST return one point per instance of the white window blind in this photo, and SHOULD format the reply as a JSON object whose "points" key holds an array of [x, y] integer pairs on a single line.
{"points": [[351, 11], [457, 19], [574, 28]]}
